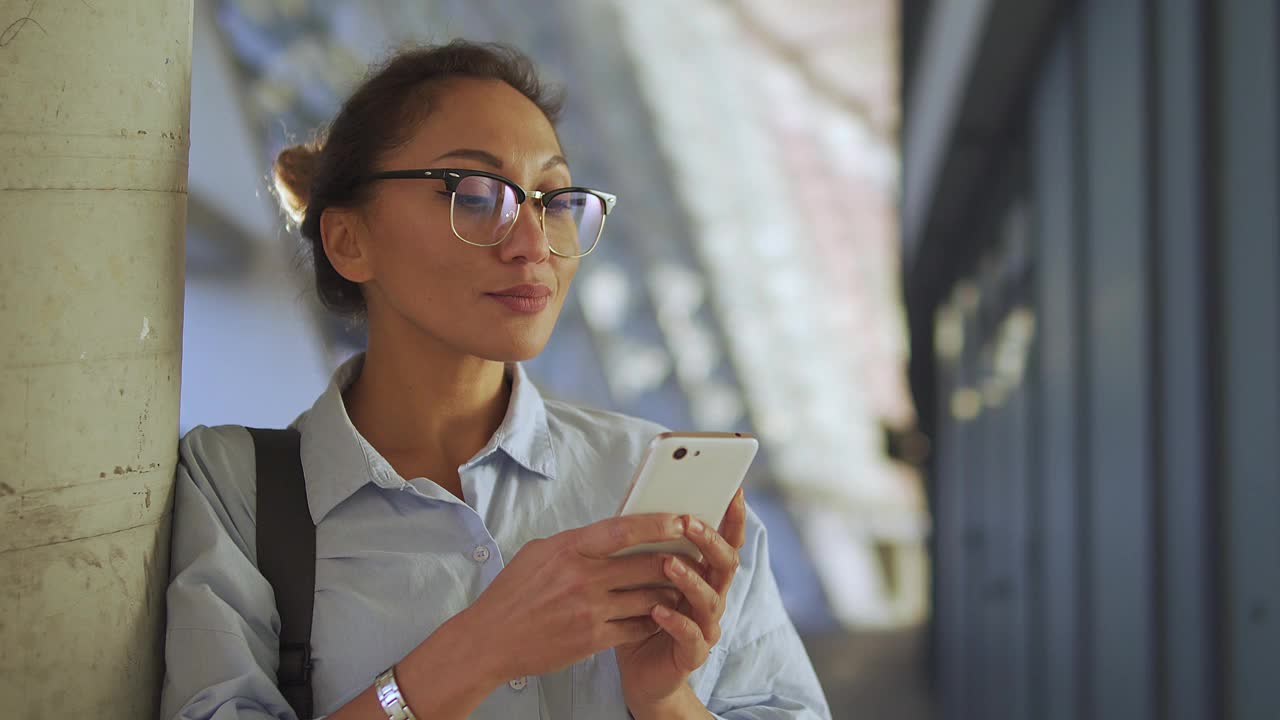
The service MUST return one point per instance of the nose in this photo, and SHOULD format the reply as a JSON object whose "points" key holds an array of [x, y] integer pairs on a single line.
{"points": [[527, 242]]}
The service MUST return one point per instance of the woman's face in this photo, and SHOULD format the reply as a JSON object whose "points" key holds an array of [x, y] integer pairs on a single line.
{"points": [[421, 276]]}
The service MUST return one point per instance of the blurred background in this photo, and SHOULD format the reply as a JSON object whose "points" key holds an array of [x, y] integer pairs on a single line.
{"points": [[748, 282]]}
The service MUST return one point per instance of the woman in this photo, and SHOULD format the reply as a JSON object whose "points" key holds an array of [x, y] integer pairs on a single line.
{"points": [[462, 563]]}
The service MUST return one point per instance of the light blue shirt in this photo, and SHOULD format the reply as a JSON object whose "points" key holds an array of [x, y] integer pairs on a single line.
{"points": [[396, 558]]}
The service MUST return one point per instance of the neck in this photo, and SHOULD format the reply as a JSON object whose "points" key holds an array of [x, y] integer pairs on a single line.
{"points": [[426, 404]]}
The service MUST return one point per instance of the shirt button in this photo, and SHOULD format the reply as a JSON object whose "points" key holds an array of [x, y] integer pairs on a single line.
{"points": [[480, 554], [519, 683]]}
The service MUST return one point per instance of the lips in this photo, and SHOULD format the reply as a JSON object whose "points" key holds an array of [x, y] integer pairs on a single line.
{"points": [[526, 291], [525, 299]]}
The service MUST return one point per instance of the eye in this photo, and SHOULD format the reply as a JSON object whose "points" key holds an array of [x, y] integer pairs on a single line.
{"points": [[566, 202], [472, 202]]}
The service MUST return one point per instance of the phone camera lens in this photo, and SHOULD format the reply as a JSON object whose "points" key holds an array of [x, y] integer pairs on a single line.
{"points": [[679, 453]]}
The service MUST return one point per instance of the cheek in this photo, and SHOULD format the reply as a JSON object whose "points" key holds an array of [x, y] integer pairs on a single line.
{"points": [[422, 265], [565, 273]]}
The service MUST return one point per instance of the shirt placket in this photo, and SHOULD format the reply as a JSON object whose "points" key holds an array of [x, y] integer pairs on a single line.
{"points": [[519, 695]]}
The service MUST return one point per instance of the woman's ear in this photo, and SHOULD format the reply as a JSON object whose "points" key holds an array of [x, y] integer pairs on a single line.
{"points": [[346, 244]]}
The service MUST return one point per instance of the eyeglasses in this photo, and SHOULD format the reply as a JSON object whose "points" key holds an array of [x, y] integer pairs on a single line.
{"points": [[483, 208]]}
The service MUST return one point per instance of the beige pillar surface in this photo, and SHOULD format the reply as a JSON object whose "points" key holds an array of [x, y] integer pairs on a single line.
{"points": [[94, 112]]}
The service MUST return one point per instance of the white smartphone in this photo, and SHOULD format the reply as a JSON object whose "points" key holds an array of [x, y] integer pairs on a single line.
{"points": [[688, 474]]}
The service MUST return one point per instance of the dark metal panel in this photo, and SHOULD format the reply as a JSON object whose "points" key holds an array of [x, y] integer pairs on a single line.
{"points": [[949, 567], [1181, 407], [1005, 422], [1017, 263], [1054, 207], [1016, 425], [1249, 335], [1122, 682], [996, 658], [975, 541], [1037, 621]]}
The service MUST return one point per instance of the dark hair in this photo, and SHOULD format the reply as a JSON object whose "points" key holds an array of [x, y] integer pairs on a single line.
{"points": [[378, 117]]}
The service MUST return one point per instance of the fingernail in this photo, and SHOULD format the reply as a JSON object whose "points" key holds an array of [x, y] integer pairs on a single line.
{"points": [[678, 567], [696, 525], [677, 526], [662, 611]]}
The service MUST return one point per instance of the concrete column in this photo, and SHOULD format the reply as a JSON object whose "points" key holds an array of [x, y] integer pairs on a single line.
{"points": [[94, 113]]}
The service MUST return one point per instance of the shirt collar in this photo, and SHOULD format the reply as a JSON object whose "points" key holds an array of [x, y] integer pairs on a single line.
{"points": [[338, 461]]}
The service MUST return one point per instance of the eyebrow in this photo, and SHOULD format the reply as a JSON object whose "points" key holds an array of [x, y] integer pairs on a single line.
{"points": [[492, 160]]}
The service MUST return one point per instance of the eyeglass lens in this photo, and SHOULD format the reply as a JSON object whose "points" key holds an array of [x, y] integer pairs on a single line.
{"points": [[485, 211]]}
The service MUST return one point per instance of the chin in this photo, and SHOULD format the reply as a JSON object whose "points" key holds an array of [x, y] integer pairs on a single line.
{"points": [[517, 356], [517, 341], [513, 349]]}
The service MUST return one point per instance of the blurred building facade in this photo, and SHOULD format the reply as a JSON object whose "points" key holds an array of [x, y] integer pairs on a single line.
{"points": [[1091, 267]]}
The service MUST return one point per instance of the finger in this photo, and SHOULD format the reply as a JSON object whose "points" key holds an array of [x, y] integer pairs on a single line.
{"points": [[705, 604], [691, 649], [671, 597], [633, 630], [638, 603], [604, 538], [633, 571], [734, 526], [720, 558]]}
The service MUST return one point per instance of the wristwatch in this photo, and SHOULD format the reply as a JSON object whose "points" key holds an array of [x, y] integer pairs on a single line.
{"points": [[389, 696]]}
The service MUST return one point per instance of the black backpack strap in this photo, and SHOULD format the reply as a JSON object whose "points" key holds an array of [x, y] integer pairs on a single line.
{"points": [[287, 556]]}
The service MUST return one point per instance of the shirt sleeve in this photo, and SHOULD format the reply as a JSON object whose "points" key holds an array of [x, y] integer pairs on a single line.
{"points": [[221, 641], [764, 671]]}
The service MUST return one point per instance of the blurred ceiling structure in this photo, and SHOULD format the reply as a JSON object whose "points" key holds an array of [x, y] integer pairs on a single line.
{"points": [[843, 50]]}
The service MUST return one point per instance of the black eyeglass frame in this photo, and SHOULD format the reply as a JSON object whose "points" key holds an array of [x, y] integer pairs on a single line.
{"points": [[453, 176]]}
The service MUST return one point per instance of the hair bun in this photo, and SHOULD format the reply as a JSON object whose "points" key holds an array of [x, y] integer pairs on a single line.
{"points": [[293, 172]]}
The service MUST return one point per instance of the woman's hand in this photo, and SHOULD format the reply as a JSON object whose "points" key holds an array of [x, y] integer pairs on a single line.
{"points": [[563, 598], [654, 670]]}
